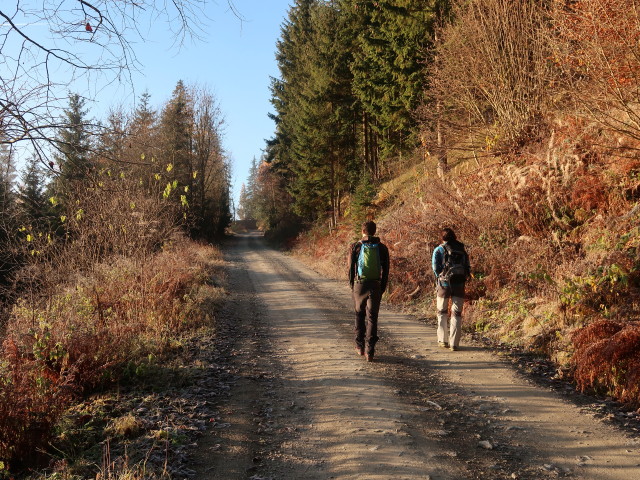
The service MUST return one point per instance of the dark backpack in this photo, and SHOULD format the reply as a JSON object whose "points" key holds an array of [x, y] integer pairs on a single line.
{"points": [[369, 262], [455, 269]]}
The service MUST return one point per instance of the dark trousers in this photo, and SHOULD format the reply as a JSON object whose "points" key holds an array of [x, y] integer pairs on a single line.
{"points": [[366, 297]]}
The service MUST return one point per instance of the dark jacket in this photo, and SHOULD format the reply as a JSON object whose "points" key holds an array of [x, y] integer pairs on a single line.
{"points": [[384, 261]]}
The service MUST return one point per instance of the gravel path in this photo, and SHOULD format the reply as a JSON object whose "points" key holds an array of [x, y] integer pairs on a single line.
{"points": [[303, 404]]}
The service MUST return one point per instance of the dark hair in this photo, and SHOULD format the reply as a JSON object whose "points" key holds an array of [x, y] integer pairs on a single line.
{"points": [[369, 227], [448, 235]]}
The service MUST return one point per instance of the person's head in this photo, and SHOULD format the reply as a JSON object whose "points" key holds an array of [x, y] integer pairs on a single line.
{"points": [[369, 228], [448, 235]]}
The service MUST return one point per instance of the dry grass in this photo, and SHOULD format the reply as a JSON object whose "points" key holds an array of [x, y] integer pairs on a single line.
{"points": [[62, 345], [552, 235], [607, 359]]}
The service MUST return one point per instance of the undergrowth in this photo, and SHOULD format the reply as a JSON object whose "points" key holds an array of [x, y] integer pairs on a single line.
{"points": [[552, 232], [61, 346]]}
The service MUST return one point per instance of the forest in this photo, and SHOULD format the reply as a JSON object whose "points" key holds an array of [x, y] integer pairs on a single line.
{"points": [[516, 123]]}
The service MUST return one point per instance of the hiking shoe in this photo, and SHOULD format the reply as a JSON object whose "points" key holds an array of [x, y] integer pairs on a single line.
{"points": [[443, 344], [369, 357], [360, 350]]}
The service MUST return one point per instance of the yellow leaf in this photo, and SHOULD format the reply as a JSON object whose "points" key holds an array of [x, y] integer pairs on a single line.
{"points": [[29, 237], [195, 174], [169, 167], [63, 218]]}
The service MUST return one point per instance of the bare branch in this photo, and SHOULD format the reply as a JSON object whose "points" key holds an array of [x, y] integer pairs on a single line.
{"points": [[48, 45]]}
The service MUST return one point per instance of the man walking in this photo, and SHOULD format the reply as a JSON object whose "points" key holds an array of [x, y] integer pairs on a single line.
{"points": [[451, 267], [368, 276]]}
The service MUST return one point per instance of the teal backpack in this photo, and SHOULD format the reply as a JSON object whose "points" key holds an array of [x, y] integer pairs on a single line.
{"points": [[369, 262]]}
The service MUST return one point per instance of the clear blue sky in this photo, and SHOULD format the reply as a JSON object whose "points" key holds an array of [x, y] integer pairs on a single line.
{"points": [[234, 59]]}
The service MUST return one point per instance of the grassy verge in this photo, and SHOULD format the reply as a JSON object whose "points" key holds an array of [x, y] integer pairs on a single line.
{"points": [[98, 329]]}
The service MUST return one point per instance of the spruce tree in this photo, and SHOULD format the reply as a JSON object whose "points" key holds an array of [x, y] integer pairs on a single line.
{"points": [[175, 167], [74, 146], [33, 206], [314, 143], [389, 68]]}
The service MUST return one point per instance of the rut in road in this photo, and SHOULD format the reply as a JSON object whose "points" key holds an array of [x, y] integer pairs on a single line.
{"points": [[305, 405]]}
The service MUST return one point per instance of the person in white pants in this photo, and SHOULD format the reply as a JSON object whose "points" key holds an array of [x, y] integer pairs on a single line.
{"points": [[451, 267]]}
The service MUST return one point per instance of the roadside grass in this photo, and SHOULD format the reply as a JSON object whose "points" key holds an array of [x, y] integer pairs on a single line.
{"points": [[116, 323], [553, 236]]}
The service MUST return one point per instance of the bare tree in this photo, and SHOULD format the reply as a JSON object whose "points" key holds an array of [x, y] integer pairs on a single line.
{"points": [[490, 70], [46, 45], [595, 46]]}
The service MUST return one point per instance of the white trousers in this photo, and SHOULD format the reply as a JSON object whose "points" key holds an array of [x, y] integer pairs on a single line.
{"points": [[455, 326]]}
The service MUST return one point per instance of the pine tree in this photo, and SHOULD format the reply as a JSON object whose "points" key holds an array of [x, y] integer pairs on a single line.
{"points": [[314, 143], [74, 146], [34, 208], [175, 167], [389, 69]]}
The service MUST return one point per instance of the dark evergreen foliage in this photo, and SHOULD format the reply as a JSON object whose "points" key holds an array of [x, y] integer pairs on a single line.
{"points": [[34, 209], [352, 73], [74, 144]]}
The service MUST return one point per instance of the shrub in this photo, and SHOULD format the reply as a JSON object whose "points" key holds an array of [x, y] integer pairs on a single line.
{"points": [[597, 291], [491, 69], [62, 345], [607, 359]]}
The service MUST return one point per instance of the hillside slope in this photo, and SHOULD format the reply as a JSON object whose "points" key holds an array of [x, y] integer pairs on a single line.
{"points": [[553, 235]]}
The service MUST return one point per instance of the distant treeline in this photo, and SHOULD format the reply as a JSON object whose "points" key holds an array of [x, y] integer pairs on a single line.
{"points": [[119, 186]]}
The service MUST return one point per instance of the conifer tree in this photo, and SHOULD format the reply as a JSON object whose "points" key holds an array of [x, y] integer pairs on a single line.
{"points": [[74, 146], [243, 202], [34, 208], [249, 198], [362, 199], [143, 132], [389, 69], [177, 133], [175, 165], [8, 221], [314, 145]]}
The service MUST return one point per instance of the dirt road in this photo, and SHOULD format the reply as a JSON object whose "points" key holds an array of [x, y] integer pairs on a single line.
{"points": [[303, 404]]}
